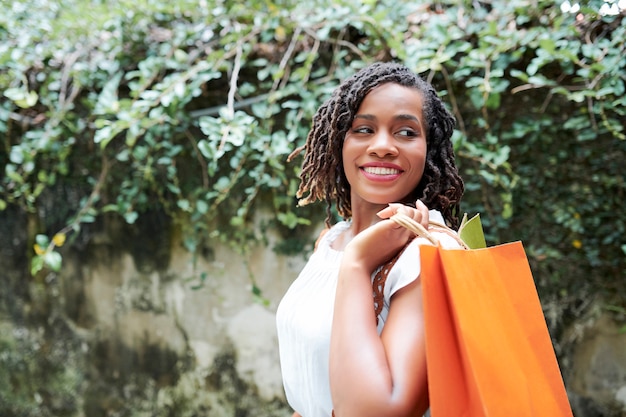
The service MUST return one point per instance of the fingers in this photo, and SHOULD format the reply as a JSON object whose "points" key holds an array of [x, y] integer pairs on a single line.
{"points": [[394, 208], [423, 210], [366, 247], [419, 213], [388, 211]]}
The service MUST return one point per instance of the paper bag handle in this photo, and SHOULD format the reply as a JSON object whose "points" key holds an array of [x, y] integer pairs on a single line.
{"points": [[421, 231]]}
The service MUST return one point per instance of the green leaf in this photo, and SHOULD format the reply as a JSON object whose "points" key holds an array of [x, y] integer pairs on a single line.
{"points": [[17, 154], [131, 217], [42, 240], [206, 149], [107, 100], [53, 260], [22, 98], [202, 206], [548, 44], [36, 264], [471, 232]]}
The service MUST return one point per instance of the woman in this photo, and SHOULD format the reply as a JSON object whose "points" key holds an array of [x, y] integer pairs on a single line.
{"points": [[380, 145]]}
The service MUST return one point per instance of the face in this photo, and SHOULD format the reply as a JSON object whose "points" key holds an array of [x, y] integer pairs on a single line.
{"points": [[384, 151]]}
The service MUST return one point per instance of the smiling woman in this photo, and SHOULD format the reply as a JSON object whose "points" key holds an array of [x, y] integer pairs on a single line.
{"points": [[384, 151], [323, 176], [380, 145]]}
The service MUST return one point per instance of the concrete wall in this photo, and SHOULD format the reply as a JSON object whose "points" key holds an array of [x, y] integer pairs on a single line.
{"points": [[135, 326]]}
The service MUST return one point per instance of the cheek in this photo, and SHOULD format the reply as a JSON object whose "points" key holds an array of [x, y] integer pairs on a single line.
{"points": [[347, 169], [418, 154], [347, 151], [345, 163], [418, 164]]}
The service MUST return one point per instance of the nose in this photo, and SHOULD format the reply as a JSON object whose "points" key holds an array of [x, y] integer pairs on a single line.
{"points": [[382, 144]]}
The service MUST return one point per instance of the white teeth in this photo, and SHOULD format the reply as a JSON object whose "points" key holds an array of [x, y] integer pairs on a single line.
{"points": [[381, 171]]}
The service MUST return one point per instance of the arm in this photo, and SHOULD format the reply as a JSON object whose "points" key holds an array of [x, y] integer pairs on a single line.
{"points": [[372, 375], [380, 376]]}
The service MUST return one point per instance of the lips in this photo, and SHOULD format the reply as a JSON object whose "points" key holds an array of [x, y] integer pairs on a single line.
{"points": [[381, 172]]}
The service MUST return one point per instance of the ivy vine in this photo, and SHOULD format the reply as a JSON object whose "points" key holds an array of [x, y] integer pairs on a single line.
{"points": [[192, 108]]}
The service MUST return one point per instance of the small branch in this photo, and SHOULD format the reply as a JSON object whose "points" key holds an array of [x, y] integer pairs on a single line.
{"points": [[525, 87], [455, 105], [230, 104], [353, 48], [374, 25], [548, 99], [486, 94], [287, 55], [314, 50], [592, 118], [95, 193], [213, 111], [340, 42], [31, 121], [68, 63]]}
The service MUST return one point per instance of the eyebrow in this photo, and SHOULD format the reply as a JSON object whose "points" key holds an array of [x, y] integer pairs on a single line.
{"points": [[399, 116]]}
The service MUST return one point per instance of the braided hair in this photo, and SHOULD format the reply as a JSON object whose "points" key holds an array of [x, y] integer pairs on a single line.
{"points": [[322, 175]]}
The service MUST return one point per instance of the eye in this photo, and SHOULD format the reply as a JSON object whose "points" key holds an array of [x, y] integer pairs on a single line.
{"points": [[362, 130], [408, 133]]}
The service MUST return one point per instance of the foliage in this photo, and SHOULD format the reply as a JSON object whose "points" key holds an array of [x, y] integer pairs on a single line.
{"points": [[191, 108]]}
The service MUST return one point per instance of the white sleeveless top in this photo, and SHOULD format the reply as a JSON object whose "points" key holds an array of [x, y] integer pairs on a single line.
{"points": [[304, 318]]}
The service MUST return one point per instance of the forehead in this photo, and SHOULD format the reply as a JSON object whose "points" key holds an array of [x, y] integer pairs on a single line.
{"points": [[392, 96]]}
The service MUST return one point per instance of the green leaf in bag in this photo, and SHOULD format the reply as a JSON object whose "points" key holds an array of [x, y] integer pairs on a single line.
{"points": [[471, 232]]}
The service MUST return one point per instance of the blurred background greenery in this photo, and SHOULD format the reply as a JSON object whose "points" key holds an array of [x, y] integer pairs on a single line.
{"points": [[190, 108]]}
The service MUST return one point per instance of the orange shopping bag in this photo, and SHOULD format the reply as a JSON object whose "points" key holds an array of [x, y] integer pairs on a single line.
{"points": [[488, 349]]}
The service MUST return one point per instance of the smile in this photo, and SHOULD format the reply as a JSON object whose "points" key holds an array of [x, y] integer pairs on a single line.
{"points": [[381, 171]]}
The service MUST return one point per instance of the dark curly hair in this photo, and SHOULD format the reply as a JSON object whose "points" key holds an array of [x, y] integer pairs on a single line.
{"points": [[322, 174]]}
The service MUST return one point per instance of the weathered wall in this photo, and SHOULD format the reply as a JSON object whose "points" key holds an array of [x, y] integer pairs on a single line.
{"points": [[139, 330], [160, 316], [595, 365], [125, 329]]}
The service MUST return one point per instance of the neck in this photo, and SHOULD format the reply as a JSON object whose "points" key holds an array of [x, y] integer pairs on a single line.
{"points": [[361, 219], [364, 217]]}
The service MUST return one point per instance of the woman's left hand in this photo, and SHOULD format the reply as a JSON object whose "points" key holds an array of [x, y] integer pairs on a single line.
{"points": [[366, 249], [419, 213]]}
